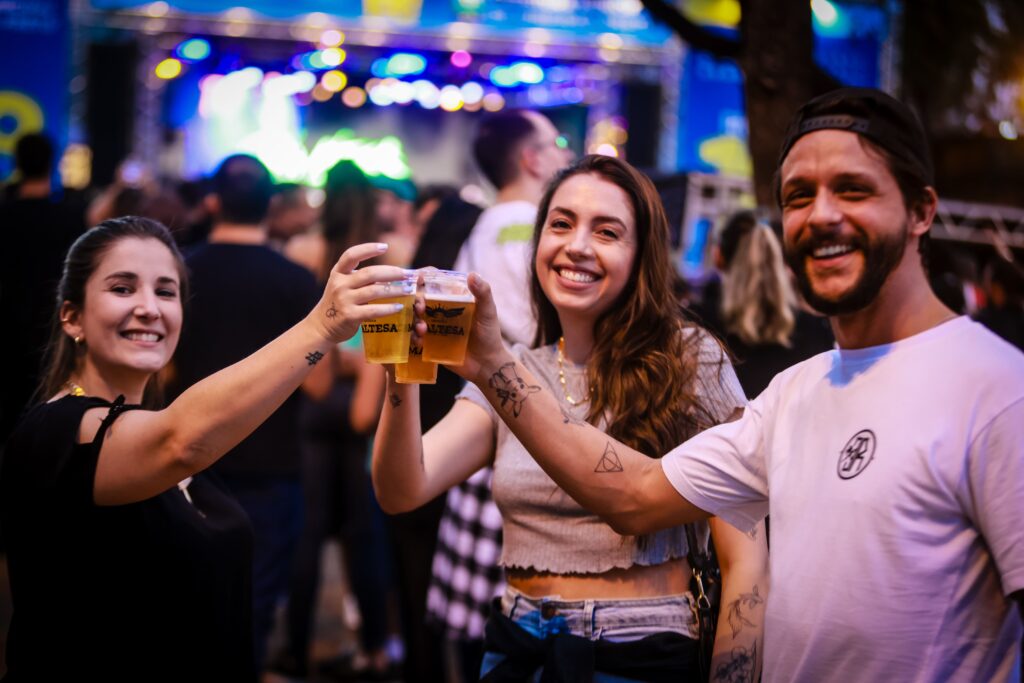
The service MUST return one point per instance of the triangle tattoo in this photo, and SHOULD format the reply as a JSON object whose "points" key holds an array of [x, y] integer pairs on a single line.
{"points": [[609, 461]]}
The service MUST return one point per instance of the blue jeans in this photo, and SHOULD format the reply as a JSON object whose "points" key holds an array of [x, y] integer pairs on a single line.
{"points": [[610, 619]]}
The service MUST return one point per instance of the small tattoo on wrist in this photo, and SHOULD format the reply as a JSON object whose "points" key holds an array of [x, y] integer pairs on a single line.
{"points": [[332, 311], [609, 462], [395, 400], [511, 388], [314, 357]]}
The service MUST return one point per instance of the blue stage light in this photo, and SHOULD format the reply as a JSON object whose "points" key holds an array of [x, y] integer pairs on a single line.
{"points": [[193, 50]]}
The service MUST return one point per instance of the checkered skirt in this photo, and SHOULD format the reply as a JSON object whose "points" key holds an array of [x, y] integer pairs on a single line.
{"points": [[466, 574]]}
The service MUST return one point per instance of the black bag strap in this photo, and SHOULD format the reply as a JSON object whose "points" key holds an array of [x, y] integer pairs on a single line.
{"points": [[700, 565]]}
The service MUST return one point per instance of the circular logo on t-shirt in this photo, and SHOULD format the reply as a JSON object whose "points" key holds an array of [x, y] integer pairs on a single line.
{"points": [[857, 454]]}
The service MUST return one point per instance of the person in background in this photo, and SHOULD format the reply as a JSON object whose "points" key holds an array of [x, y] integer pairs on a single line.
{"points": [[583, 601], [428, 199], [757, 313], [37, 226], [135, 192], [518, 152], [290, 214], [128, 559], [244, 295], [1003, 312]]}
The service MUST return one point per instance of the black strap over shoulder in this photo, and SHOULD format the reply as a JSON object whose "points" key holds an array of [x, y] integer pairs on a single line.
{"points": [[116, 408]]}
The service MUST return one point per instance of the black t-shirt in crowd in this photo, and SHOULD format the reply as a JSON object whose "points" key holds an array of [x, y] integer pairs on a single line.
{"points": [[243, 297], [158, 590], [34, 238]]}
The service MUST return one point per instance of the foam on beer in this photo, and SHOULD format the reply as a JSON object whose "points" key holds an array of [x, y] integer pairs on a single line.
{"points": [[466, 298]]}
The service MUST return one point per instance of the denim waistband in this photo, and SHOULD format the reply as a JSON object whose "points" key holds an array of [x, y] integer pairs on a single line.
{"points": [[610, 619]]}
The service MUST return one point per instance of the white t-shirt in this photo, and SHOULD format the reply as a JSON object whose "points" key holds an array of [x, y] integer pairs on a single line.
{"points": [[894, 477], [499, 248]]}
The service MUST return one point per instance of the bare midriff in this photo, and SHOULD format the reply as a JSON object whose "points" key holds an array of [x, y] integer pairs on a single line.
{"points": [[670, 578]]}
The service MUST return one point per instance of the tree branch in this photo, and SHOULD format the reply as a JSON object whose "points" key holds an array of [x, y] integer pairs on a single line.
{"points": [[694, 35]]}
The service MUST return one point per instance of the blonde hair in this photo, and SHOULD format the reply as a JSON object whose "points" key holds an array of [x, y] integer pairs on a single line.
{"points": [[758, 301]]}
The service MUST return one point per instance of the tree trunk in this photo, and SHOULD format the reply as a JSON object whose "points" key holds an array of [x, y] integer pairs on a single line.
{"points": [[779, 76]]}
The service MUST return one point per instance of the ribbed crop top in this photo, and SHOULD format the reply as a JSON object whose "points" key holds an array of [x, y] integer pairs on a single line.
{"points": [[545, 529]]}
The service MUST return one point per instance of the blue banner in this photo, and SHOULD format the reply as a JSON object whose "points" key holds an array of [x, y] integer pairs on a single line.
{"points": [[33, 74]]}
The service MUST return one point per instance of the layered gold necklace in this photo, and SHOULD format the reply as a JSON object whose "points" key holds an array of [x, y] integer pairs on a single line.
{"points": [[561, 377]]}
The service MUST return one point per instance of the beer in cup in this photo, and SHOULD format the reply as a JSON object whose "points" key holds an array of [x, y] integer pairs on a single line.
{"points": [[449, 316], [416, 370], [386, 339]]}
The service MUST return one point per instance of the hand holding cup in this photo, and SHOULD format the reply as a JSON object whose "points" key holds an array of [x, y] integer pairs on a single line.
{"points": [[485, 350], [350, 292]]}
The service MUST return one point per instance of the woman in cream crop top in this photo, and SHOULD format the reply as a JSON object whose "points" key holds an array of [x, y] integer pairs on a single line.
{"points": [[615, 349]]}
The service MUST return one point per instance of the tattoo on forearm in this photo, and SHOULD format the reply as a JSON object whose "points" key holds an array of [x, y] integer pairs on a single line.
{"points": [[314, 357], [395, 400], [609, 462], [511, 388], [739, 665], [570, 419], [332, 311], [739, 610]]}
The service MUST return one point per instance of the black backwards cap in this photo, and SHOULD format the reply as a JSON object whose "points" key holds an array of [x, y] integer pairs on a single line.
{"points": [[880, 118]]}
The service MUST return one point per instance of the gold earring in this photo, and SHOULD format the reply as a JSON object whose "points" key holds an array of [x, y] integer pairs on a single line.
{"points": [[78, 339]]}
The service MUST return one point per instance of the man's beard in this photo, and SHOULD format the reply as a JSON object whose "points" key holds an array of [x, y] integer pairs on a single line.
{"points": [[881, 256]]}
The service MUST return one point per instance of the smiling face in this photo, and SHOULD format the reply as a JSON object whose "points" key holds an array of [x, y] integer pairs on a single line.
{"points": [[132, 315], [845, 223], [587, 247]]}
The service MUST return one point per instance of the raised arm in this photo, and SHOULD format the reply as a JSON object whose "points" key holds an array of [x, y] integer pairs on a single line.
{"points": [[145, 453], [626, 488], [409, 469]]}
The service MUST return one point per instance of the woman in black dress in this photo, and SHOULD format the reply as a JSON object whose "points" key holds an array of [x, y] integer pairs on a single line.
{"points": [[127, 561]]}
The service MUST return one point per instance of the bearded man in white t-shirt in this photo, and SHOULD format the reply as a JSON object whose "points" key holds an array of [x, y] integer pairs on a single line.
{"points": [[892, 466]]}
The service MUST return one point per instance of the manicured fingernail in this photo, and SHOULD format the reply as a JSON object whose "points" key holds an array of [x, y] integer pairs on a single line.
{"points": [[397, 307], [382, 246]]}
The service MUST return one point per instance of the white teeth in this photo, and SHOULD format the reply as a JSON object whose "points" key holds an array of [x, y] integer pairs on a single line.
{"points": [[576, 276], [142, 336], [832, 250]]}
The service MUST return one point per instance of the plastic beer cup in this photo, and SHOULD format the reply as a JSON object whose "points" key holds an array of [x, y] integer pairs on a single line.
{"points": [[416, 370], [449, 316], [386, 339]]}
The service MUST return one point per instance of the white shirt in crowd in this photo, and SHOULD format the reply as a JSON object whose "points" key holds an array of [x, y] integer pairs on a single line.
{"points": [[500, 248]]}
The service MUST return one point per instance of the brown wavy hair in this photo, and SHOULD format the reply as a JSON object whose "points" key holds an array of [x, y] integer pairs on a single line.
{"points": [[643, 367]]}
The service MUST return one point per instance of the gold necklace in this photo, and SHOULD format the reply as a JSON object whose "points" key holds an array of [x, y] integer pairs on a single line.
{"points": [[74, 389], [561, 376]]}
